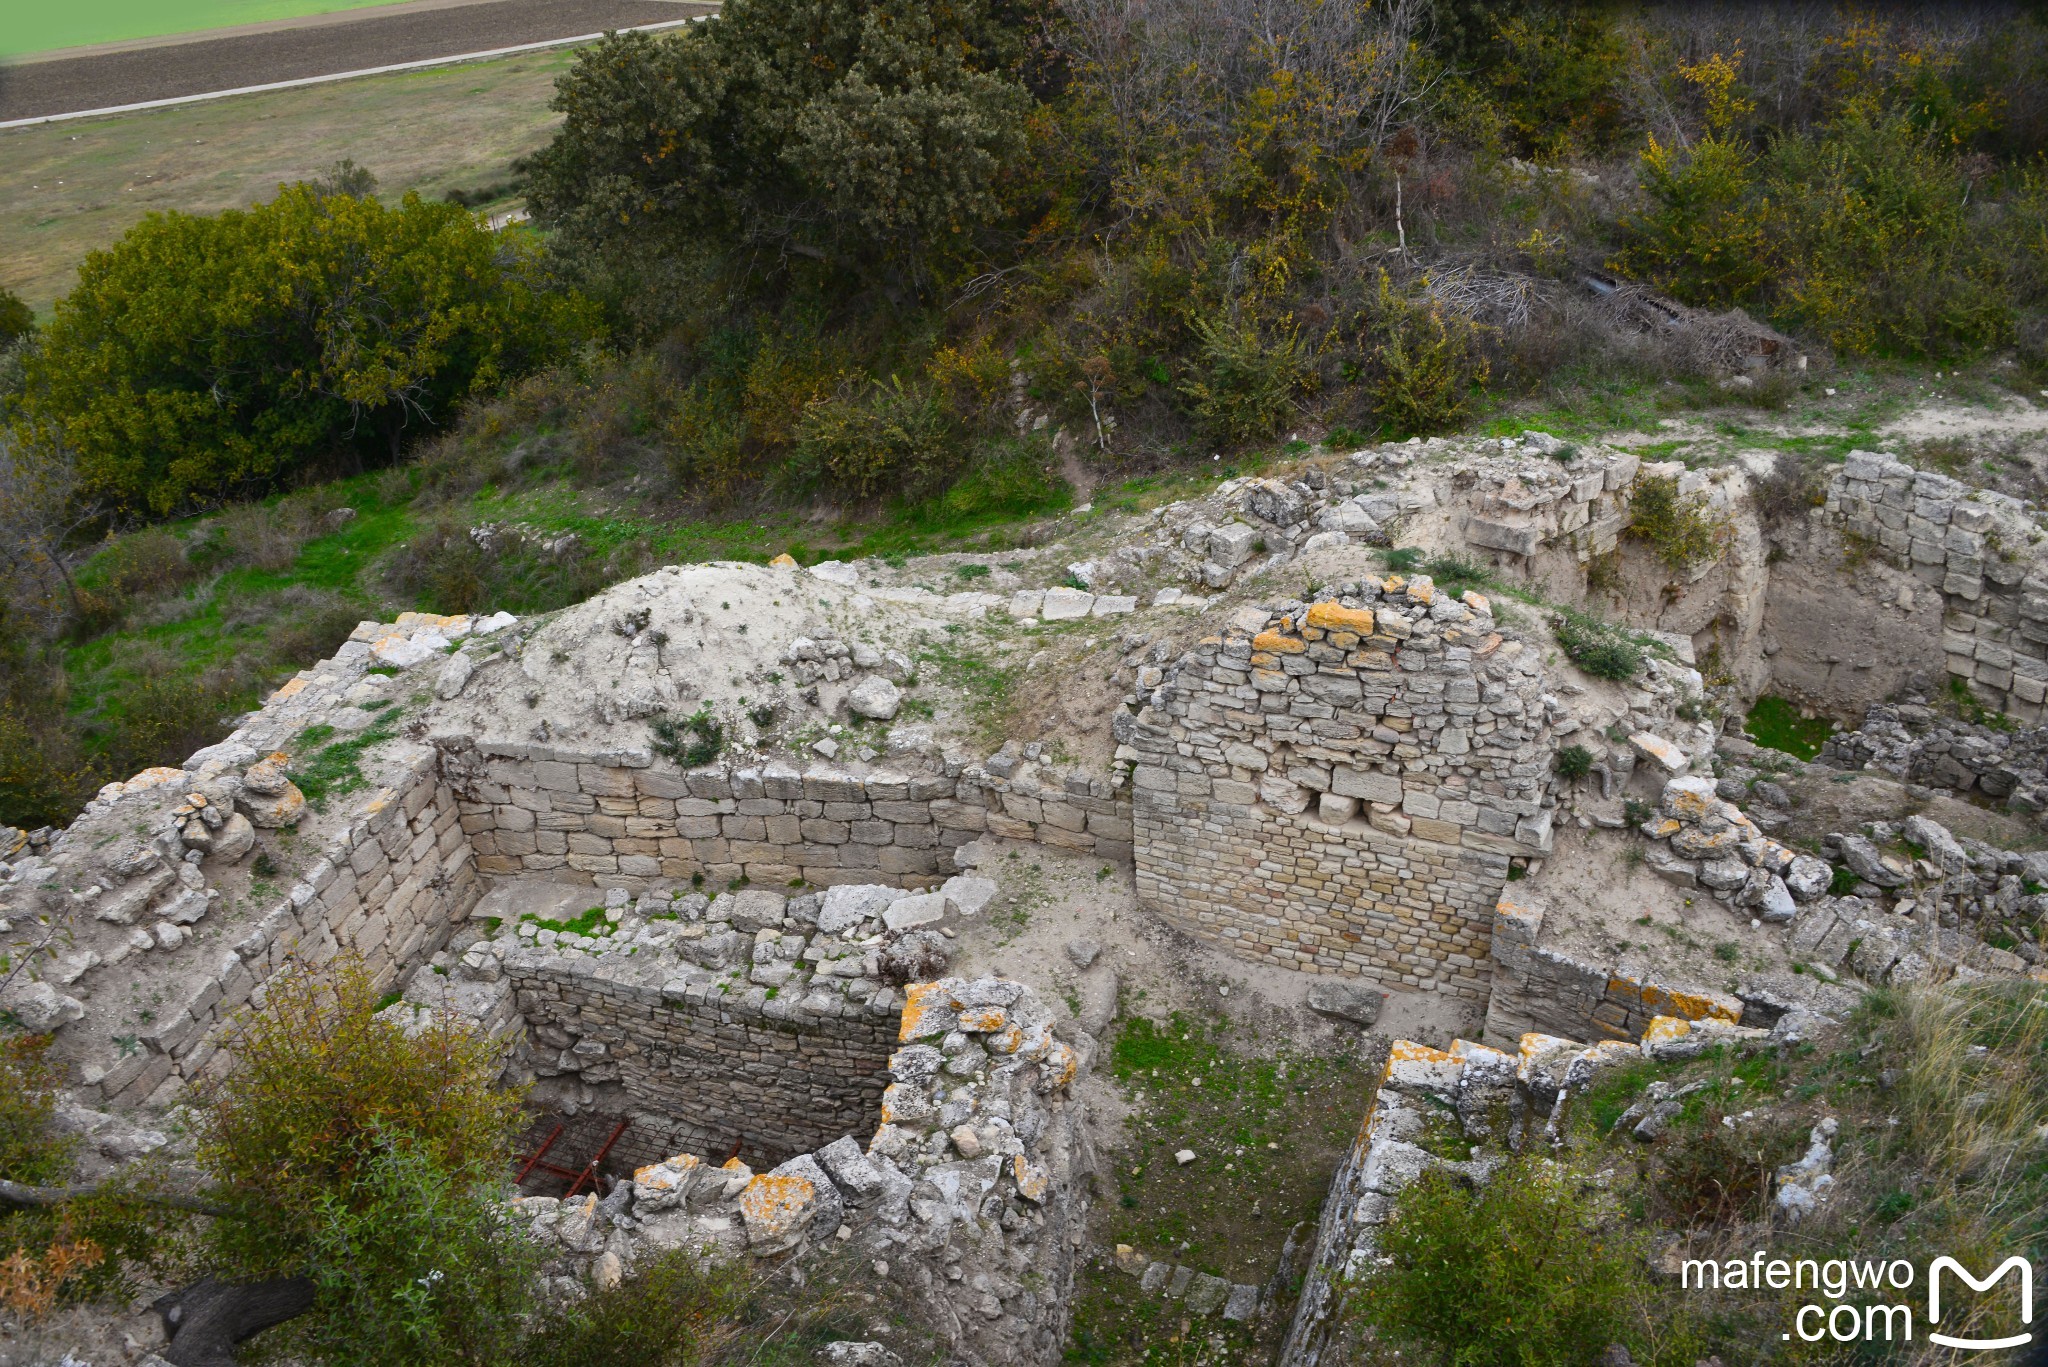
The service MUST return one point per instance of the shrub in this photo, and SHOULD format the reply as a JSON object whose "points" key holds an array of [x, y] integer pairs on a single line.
{"points": [[677, 1311], [1881, 249], [17, 319], [207, 357], [330, 1109], [1600, 648], [866, 138], [1527, 1271], [689, 741], [1704, 236], [1680, 530], [414, 1266], [884, 437], [1574, 762], [1245, 381], [1424, 370], [1709, 1173]]}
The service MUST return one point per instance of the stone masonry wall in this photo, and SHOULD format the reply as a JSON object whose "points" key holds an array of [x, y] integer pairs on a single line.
{"points": [[1339, 786], [625, 819], [1980, 550], [787, 1077], [389, 888], [1539, 989]]}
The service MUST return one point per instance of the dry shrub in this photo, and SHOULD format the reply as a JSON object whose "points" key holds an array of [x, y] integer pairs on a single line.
{"points": [[266, 537], [310, 625], [1791, 490], [1715, 1174], [30, 1283]]}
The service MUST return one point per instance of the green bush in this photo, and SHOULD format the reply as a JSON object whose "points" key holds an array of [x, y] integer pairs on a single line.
{"points": [[209, 357], [1424, 371], [331, 1114], [689, 741], [1600, 648], [17, 319], [678, 1311], [1680, 530], [1881, 249], [1704, 235], [1528, 1271], [867, 139], [414, 1266], [870, 440], [1245, 380], [1574, 762]]}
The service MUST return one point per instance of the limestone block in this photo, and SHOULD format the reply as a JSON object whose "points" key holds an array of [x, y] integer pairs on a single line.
{"points": [[1066, 605]]}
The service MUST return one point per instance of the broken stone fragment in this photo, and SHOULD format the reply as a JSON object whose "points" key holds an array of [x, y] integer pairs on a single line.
{"points": [[846, 905], [1346, 1001], [41, 1008], [919, 910], [1660, 752], [1866, 862], [267, 777], [1808, 877], [455, 676], [236, 837], [969, 894]]}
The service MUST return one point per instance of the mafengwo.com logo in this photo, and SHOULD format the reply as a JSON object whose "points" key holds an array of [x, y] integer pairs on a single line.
{"points": [[1871, 1301]]}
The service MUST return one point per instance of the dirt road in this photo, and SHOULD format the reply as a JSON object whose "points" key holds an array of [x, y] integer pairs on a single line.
{"points": [[350, 41]]}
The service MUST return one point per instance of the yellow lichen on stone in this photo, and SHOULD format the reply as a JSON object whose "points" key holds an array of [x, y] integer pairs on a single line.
{"points": [[984, 1019], [1278, 644], [785, 561], [1333, 616], [1033, 1182], [291, 689], [1007, 1040], [1665, 1028], [1705, 1006], [926, 1011], [773, 1206]]}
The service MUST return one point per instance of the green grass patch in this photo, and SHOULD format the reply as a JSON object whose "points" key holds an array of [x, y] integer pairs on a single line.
{"points": [[591, 922], [1776, 724], [325, 771]]}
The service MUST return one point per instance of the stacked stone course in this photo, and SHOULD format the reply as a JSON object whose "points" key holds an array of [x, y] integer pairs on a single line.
{"points": [[1339, 786], [1980, 549], [785, 1075], [620, 819]]}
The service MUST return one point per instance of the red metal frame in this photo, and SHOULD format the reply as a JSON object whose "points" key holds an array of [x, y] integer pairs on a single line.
{"points": [[575, 1177]]}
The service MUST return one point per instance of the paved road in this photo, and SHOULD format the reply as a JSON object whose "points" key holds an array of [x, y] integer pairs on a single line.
{"points": [[175, 68]]}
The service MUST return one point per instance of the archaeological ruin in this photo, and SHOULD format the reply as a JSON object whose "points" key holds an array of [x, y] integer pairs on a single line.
{"points": [[696, 850]]}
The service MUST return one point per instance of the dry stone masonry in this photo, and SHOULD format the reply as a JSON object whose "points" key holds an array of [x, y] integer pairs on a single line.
{"points": [[1339, 785]]}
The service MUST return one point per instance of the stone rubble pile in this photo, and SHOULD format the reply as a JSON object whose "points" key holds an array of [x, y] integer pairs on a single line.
{"points": [[1698, 840], [1915, 743]]}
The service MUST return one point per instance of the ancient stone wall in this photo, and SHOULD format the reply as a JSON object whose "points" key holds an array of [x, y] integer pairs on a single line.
{"points": [[1978, 549], [780, 1076], [1538, 988], [625, 819], [1339, 786], [388, 889]]}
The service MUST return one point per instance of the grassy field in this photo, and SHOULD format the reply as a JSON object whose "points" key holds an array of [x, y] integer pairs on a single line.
{"points": [[69, 188], [32, 29]]}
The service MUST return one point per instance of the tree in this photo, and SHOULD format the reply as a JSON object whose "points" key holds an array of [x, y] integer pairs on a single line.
{"points": [[17, 319], [206, 357], [866, 137]]}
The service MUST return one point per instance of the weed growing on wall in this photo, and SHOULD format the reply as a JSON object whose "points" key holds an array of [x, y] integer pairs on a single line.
{"points": [[1681, 530], [1601, 648]]}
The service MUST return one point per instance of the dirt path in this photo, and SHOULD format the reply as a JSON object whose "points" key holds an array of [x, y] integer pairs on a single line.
{"points": [[356, 41]]}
